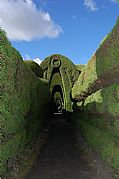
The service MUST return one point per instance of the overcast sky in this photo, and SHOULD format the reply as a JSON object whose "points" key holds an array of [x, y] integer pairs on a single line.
{"points": [[74, 28]]}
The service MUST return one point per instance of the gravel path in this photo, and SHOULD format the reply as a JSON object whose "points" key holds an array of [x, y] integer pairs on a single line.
{"points": [[60, 158]]}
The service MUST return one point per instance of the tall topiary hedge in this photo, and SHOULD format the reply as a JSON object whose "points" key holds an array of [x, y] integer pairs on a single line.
{"points": [[59, 70], [103, 67], [96, 93], [34, 67], [24, 99]]}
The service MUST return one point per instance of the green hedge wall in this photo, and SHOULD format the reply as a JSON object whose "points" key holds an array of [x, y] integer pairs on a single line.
{"points": [[80, 67], [99, 140], [65, 76], [56, 80], [101, 109], [34, 67], [103, 68], [65, 63], [24, 100], [96, 94]]}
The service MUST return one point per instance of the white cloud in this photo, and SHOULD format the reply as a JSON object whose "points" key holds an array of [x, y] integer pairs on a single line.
{"points": [[23, 21], [90, 4], [38, 60]]}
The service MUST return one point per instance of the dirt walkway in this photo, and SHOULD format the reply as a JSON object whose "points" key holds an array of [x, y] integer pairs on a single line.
{"points": [[60, 158]]}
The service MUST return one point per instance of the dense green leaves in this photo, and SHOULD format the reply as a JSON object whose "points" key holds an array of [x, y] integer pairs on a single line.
{"points": [[24, 103], [97, 90]]}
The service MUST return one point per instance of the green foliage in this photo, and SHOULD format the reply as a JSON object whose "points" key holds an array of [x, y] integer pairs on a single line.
{"points": [[87, 77], [107, 55], [34, 67], [98, 116], [66, 91], [10, 149], [57, 95], [65, 76], [65, 63], [25, 98], [111, 99], [104, 100], [102, 142], [24, 103], [80, 67], [104, 63], [56, 80]]}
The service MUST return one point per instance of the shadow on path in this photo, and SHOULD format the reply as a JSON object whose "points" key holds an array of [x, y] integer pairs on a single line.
{"points": [[60, 159]]}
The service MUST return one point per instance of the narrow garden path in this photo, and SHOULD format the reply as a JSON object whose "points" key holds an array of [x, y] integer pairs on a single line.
{"points": [[61, 159]]}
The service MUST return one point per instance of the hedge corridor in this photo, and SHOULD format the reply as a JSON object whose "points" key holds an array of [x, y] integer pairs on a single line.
{"points": [[90, 93]]}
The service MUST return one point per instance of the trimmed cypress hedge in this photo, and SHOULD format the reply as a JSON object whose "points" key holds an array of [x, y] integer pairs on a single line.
{"points": [[102, 68], [34, 67], [64, 75], [96, 93], [24, 104]]}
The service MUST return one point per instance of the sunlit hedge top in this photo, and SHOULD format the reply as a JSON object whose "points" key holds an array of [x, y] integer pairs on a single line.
{"points": [[67, 64]]}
